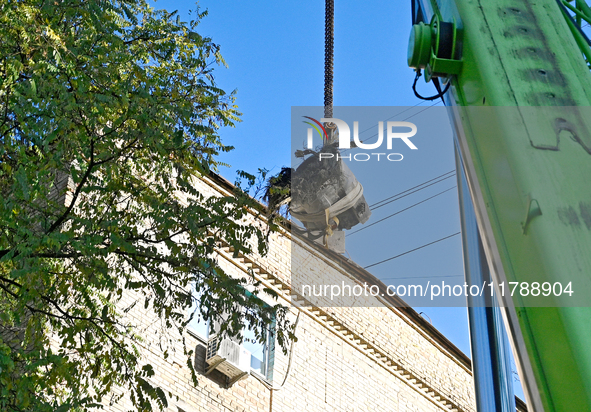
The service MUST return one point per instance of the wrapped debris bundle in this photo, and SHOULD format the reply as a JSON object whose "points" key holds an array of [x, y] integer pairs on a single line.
{"points": [[327, 198]]}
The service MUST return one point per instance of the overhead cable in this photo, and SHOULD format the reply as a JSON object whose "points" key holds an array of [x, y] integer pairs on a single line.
{"points": [[423, 277], [411, 116], [400, 211], [412, 250], [393, 116], [386, 201]]}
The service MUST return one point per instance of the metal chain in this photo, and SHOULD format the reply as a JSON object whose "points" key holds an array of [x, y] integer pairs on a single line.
{"points": [[328, 68], [328, 56]]}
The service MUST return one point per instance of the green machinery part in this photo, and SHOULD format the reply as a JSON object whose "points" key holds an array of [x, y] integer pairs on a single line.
{"points": [[433, 48], [521, 107]]}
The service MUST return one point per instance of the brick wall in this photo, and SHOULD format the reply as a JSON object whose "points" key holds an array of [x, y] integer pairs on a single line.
{"points": [[366, 356]]}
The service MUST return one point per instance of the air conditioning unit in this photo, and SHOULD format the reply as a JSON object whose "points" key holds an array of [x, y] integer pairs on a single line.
{"points": [[228, 357]]}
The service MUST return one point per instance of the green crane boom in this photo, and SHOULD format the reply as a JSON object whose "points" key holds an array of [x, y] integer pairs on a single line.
{"points": [[520, 99]]}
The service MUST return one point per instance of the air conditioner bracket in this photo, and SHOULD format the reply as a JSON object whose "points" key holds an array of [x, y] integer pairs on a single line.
{"points": [[237, 378], [214, 365]]}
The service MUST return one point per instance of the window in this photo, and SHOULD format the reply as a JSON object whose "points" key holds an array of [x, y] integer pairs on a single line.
{"points": [[260, 353], [261, 358]]}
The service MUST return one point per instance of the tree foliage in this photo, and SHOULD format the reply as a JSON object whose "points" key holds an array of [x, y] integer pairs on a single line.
{"points": [[108, 112]]}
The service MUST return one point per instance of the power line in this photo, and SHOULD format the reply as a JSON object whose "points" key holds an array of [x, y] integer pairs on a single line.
{"points": [[375, 205], [423, 277], [414, 187], [412, 115], [393, 116], [415, 191], [400, 211], [412, 250]]}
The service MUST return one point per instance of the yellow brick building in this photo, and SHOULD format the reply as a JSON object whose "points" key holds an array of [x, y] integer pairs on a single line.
{"points": [[375, 355]]}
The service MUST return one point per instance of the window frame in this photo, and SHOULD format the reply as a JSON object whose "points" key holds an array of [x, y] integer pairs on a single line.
{"points": [[268, 345]]}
